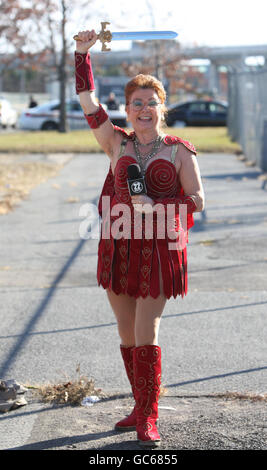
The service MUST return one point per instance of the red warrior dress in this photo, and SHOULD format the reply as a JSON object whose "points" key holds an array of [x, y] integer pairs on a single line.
{"points": [[132, 265]]}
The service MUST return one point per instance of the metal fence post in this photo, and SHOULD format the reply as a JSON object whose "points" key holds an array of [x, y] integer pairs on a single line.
{"points": [[264, 147], [247, 115]]}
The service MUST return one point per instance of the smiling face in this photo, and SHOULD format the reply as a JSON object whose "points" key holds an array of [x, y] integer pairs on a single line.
{"points": [[145, 118]]}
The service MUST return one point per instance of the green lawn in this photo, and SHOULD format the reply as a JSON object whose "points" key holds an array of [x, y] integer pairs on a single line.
{"points": [[205, 139]]}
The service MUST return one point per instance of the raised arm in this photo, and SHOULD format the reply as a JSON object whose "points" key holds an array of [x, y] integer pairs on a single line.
{"points": [[96, 116]]}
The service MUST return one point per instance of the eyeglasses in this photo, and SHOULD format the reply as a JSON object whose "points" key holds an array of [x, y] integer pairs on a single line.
{"points": [[139, 104]]}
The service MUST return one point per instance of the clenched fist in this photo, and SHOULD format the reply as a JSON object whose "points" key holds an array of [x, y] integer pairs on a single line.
{"points": [[86, 40]]}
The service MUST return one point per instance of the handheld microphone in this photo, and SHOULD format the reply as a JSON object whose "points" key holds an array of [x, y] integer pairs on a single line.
{"points": [[136, 182]]}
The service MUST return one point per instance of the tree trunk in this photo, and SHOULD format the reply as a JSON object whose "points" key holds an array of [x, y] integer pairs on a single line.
{"points": [[63, 123]]}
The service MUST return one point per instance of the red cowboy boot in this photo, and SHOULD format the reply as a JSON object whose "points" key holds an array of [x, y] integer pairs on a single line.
{"points": [[128, 423], [147, 375]]}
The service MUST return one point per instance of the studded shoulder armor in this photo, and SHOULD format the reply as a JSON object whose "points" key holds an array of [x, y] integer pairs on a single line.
{"points": [[173, 140], [129, 136]]}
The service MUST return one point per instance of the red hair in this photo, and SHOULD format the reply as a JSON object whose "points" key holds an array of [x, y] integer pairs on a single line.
{"points": [[144, 81]]}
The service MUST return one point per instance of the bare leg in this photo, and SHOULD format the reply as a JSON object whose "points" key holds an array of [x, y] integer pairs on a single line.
{"points": [[124, 308], [148, 315], [147, 319], [138, 319]]}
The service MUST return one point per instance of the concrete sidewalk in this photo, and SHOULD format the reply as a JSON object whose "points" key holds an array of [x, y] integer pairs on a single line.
{"points": [[53, 317]]}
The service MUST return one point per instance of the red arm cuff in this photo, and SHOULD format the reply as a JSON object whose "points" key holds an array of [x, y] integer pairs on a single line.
{"points": [[191, 208], [188, 200], [95, 120], [83, 72]]}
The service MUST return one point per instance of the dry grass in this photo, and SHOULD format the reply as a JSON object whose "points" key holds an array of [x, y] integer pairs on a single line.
{"points": [[163, 391], [252, 396], [18, 178], [205, 139], [71, 392], [80, 141]]}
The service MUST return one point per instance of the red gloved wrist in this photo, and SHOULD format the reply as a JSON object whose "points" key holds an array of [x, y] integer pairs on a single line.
{"points": [[83, 72]]}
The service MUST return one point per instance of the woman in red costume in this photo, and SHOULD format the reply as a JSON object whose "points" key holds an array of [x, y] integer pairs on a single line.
{"points": [[140, 273]]}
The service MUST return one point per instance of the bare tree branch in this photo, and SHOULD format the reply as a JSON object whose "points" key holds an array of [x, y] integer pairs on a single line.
{"points": [[38, 36]]}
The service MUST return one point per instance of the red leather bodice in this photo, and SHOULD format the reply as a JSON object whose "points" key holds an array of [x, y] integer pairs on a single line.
{"points": [[160, 177]]}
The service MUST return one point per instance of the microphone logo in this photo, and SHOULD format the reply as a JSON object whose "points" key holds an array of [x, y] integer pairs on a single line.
{"points": [[135, 180], [137, 187]]}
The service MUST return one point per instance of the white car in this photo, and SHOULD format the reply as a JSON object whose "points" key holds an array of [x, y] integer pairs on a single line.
{"points": [[46, 116], [8, 115]]}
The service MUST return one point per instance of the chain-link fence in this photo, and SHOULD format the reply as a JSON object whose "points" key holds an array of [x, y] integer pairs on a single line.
{"points": [[247, 116]]}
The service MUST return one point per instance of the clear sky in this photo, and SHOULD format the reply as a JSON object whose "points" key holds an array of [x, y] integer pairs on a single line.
{"points": [[198, 22]]}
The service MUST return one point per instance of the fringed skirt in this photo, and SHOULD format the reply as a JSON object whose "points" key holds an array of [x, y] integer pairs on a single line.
{"points": [[133, 267]]}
